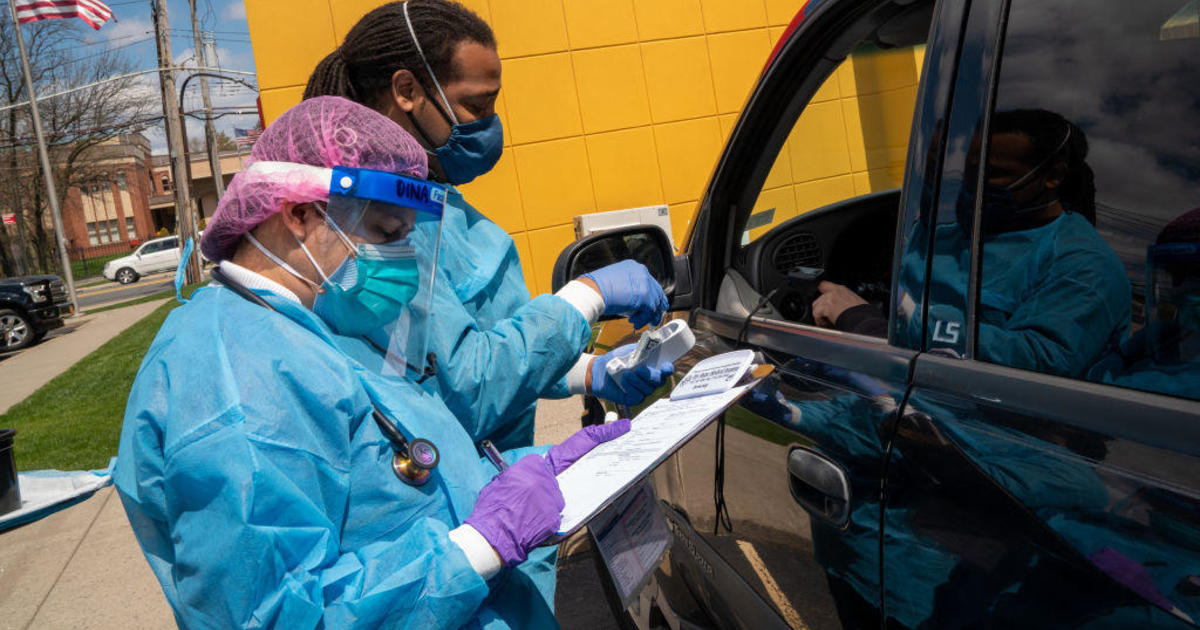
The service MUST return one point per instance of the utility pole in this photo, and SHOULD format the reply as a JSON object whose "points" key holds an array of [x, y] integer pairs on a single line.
{"points": [[43, 154], [210, 134], [175, 148]]}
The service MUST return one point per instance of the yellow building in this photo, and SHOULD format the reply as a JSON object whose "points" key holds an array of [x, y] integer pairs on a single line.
{"points": [[611, 104]]}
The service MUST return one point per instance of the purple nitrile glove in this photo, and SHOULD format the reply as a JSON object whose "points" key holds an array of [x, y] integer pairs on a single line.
{"points": [[563, 455], [518, 509]]}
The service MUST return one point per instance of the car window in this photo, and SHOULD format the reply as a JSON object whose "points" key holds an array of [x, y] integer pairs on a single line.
{"points": [[828, 208], [1088, 203], [152, 247]]}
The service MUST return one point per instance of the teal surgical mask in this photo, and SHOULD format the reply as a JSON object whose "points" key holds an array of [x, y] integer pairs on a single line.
{"points": [[367, 291]]}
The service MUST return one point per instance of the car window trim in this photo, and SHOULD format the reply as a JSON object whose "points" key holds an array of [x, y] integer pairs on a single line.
{"points": [[870, 355]]}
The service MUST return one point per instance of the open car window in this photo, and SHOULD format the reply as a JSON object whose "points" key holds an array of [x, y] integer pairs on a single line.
{"points": [[827, 210]]}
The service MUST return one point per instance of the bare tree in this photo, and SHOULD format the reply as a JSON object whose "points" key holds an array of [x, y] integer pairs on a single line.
{"points": [[74, 124]]}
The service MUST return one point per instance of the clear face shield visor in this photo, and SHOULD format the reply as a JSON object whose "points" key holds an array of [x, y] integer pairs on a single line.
{"points": [[391, 227], [394, 224], [1173, 302]]}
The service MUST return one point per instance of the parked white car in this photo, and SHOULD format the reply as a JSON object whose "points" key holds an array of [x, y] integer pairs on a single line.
{"points": [[160, 254]]}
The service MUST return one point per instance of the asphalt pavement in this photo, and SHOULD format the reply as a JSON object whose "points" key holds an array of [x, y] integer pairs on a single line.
{"points": [[113, 292]]}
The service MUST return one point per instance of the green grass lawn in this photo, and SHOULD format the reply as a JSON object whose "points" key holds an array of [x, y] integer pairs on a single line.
{"points": [[74, 421]]}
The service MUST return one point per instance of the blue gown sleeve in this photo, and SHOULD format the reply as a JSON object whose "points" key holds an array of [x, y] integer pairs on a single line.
{"points": [[1079, 309], [491, 377]]}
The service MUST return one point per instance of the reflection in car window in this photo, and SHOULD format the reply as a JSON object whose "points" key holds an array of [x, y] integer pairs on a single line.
{"points": [[1091, 181]]}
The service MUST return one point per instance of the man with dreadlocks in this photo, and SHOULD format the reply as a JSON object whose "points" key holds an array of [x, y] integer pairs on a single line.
{"points": [[432, 67]]}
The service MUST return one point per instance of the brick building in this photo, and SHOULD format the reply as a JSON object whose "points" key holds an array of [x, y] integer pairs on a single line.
{"points": [[107, 212], [129, 196]]}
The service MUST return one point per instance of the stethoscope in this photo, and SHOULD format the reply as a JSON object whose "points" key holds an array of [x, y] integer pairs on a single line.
{"points": [[414, 459]]}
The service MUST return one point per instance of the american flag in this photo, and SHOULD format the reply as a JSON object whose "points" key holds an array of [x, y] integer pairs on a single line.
{"points": [[94, 12], [245, 137]]}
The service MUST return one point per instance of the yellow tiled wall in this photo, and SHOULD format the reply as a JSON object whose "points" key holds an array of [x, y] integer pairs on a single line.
{"points": [[851, 140], [607, 104]]}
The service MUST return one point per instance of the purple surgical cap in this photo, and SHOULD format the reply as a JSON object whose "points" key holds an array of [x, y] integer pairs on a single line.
{"points": [[325, 132]]}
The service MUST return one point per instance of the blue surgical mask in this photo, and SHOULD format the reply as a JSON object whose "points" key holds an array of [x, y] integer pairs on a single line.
{"points": [[473, 148]]}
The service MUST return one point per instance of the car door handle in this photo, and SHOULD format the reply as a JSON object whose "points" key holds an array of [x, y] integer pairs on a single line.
{"points": [[819, 485]]}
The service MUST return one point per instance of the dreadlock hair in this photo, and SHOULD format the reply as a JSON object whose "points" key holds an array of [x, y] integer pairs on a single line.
{"points": [[361, 68], [1046, 131]]}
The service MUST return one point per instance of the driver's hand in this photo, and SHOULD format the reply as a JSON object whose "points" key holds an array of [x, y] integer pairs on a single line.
{"points": [[835, 299]]}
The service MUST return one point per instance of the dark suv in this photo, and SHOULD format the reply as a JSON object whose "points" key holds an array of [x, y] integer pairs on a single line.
{"points": [[30, 306], [966, 235]]}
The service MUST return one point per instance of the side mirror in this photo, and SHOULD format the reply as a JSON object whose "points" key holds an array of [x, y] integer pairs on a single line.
{"points": [[647, 244]]}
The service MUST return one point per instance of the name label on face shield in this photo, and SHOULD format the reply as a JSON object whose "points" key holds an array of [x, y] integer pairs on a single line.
{"points": [[390, 188]]}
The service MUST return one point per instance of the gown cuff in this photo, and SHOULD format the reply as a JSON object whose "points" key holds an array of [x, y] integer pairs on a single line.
{"points": [[577, 375], [478, 550], [585, 299]]}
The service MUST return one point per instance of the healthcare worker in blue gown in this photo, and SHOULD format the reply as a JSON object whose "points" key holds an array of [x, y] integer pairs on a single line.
{"points": [[272, 480], [431, 66], [1054, 297]]}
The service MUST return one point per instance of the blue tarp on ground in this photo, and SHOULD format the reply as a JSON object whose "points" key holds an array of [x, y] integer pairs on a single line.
{"points": [[44, 492]]}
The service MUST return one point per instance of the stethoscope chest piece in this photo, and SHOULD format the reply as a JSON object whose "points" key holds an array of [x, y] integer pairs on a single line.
{"points": [[414, 466]]}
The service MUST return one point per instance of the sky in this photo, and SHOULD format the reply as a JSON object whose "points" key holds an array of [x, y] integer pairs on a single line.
{"points": [[133, 34]]}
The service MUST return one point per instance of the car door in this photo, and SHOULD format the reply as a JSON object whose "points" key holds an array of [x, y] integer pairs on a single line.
{"points": [[145, 257], [168, 257], [1046, 466], [775, 509]]}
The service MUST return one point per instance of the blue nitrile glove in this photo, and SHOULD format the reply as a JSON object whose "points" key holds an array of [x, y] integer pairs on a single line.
{"points": [[629, 290], [634, 384]]}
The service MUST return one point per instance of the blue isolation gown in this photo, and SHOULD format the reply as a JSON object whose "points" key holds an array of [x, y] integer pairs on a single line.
{"points": [[262, 494], [1053, 298]]}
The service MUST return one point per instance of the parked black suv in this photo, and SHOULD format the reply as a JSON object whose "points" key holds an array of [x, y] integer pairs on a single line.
{"points": [[30, 306], [966, 235]]}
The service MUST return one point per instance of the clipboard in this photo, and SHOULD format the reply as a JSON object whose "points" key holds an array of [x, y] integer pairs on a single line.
{"points": [[601, 477]]}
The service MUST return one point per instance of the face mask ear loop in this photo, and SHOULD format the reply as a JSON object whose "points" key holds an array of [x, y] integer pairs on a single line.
{"points": [[421, 53], [336, 230], [1024, 179], [283, 265]]}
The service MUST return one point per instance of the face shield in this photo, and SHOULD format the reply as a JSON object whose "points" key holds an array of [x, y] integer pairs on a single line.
{"points": [[393, 225], [1173, 303], [390, 227]]}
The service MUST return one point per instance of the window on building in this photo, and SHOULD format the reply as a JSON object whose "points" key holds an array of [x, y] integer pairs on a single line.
{"points": [[114, 232], [121, 183], [93, 235], [130, 228], [166, 184]]}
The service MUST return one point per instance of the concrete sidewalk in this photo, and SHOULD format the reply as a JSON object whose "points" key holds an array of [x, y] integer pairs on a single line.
{"points": [[82, 567], [23, 372]]}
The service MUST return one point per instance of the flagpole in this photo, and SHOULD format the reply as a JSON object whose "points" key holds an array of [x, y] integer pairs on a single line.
{"points": [[60, 236]]}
